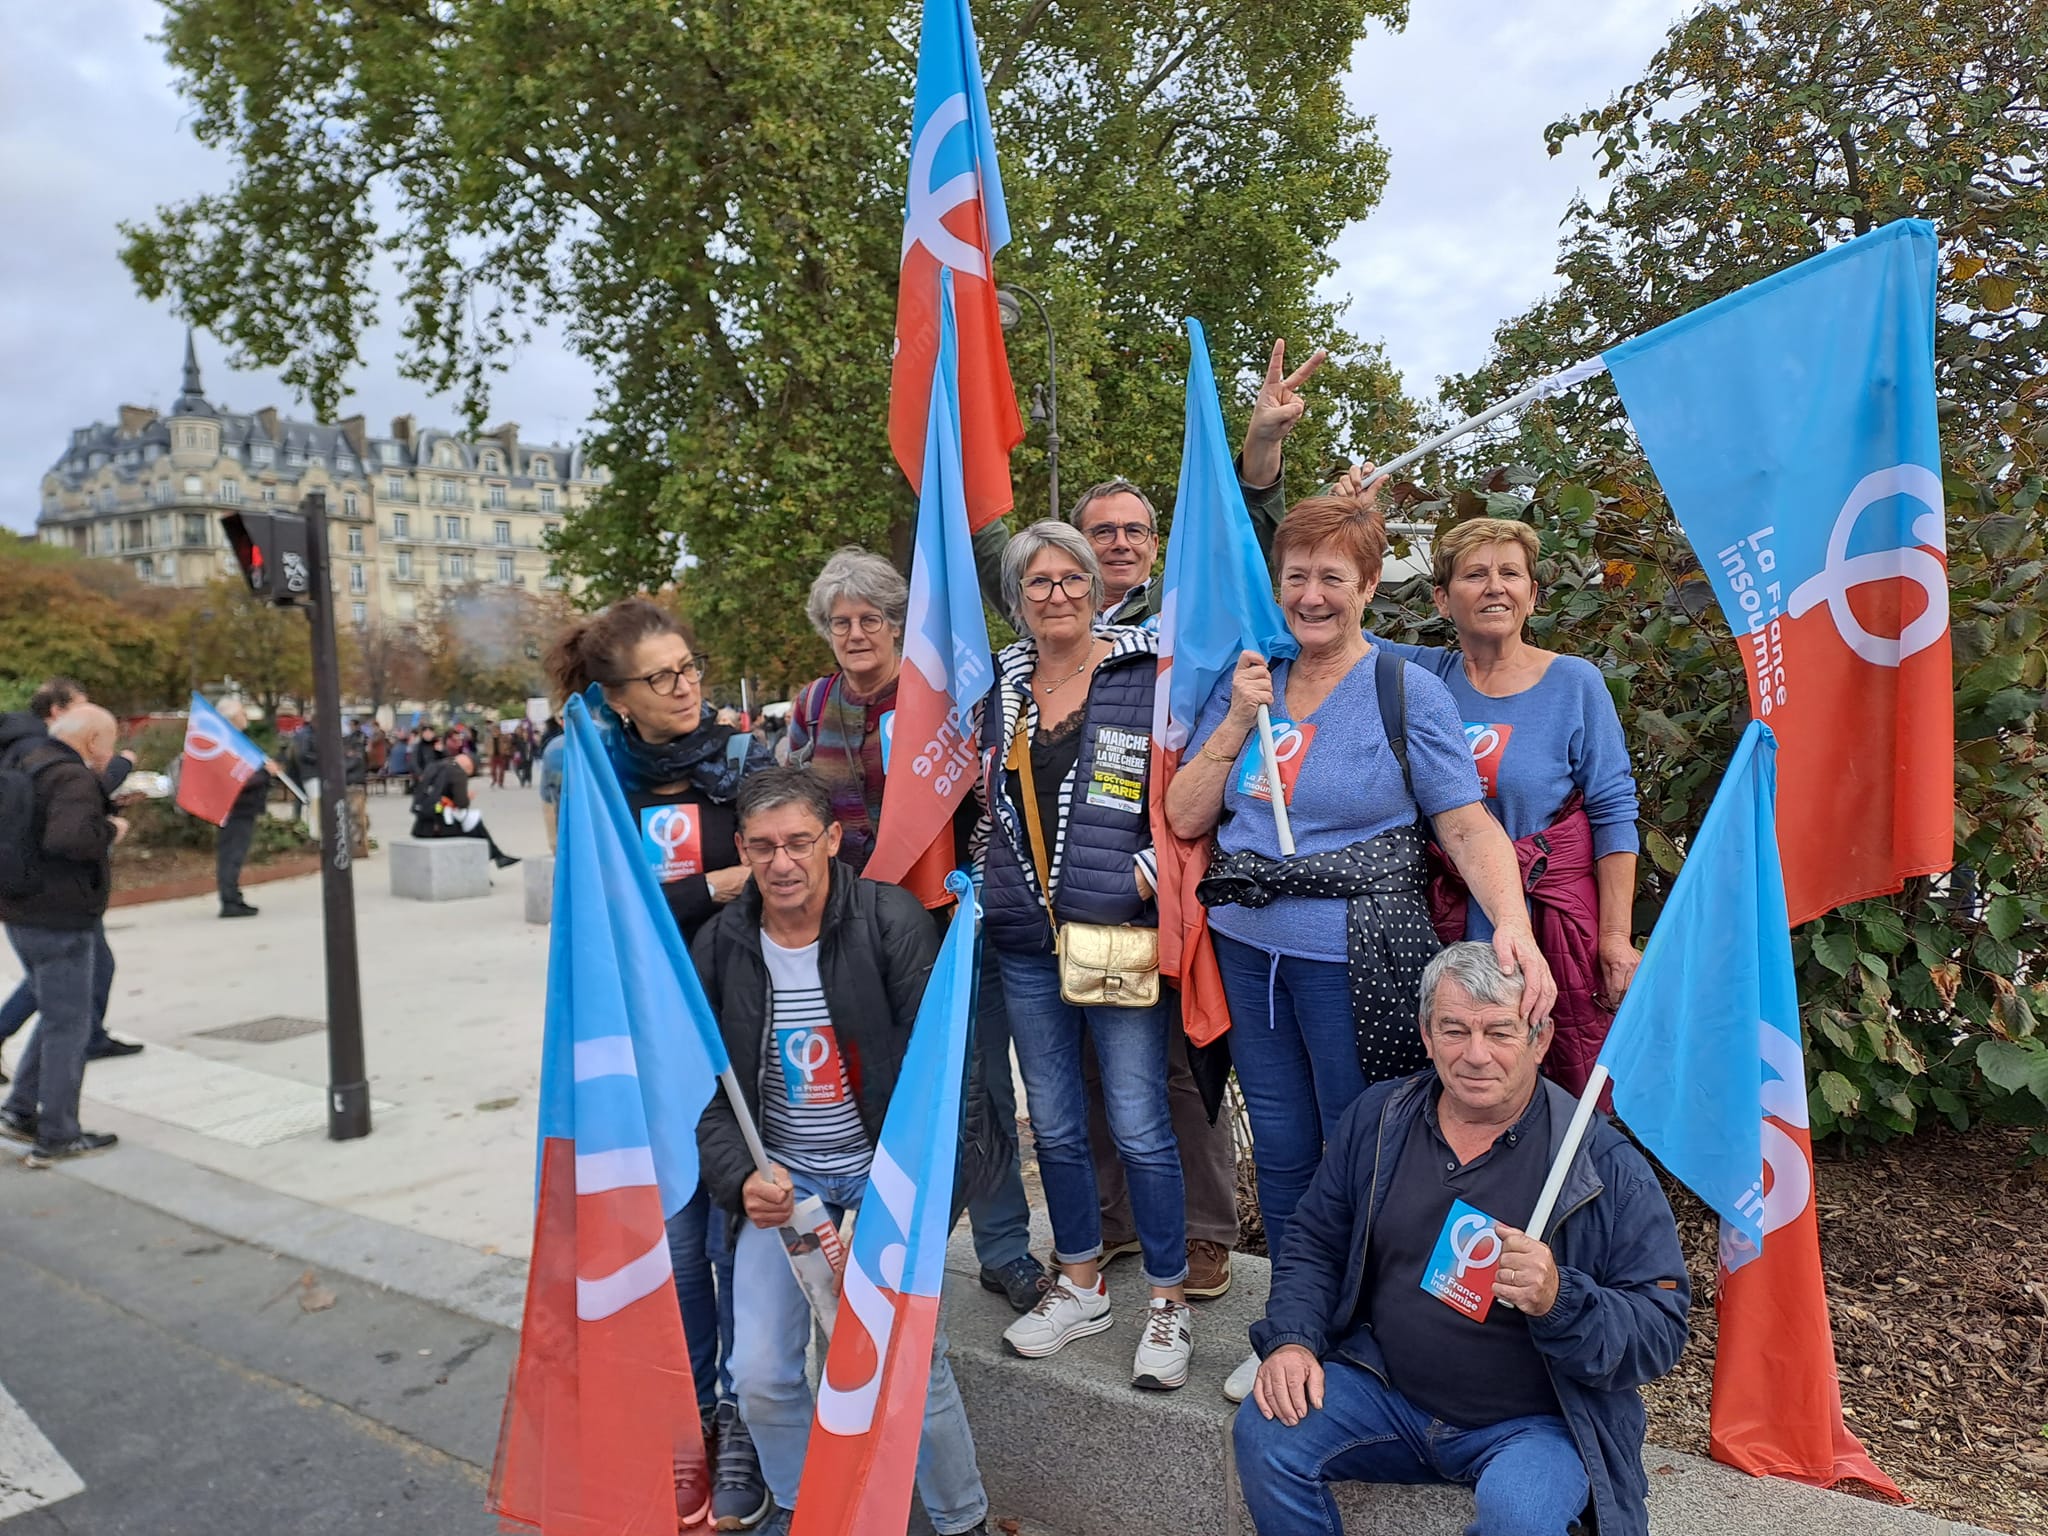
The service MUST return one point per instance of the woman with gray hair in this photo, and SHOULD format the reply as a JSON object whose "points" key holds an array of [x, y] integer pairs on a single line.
{"points": [[1067, 846], [839, 724]]}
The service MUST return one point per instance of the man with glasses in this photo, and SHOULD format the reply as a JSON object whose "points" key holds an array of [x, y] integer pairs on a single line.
{"points": [[816, 975]]}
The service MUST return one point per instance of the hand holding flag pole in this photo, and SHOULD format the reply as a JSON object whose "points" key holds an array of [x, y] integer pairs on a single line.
{"points": [[1269, 753]]}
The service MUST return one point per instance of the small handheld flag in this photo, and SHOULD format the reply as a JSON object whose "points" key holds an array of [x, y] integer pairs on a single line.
{"points": [[218, 761], [862, 1458]]}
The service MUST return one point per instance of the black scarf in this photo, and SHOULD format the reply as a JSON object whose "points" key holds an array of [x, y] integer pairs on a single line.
{"points": [[699, 759]]}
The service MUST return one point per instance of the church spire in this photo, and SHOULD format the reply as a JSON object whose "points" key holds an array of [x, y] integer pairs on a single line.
{"points": [[192, 398]]}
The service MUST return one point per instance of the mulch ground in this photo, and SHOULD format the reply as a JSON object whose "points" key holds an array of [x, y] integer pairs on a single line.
{"points": [[167, 874], [1936, 1259]]}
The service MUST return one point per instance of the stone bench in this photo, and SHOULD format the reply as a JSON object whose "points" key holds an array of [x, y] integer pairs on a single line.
{"points": [[539, 870], [440, 868], [1067, 1442]]}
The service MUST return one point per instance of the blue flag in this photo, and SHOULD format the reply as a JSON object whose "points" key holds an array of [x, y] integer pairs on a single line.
{"points": [[1707, 1039], [1216, 597]]}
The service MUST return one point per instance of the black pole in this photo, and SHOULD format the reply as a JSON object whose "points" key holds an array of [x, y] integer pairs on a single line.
{"points": [[1052, 396], [348, 1090]]}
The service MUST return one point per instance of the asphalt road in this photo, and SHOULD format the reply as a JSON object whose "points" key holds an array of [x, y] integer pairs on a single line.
{"points": [[200, 1386]]}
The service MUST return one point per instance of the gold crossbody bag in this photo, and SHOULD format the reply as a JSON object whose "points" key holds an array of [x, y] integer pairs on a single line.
{"points": [[1102, 965]]}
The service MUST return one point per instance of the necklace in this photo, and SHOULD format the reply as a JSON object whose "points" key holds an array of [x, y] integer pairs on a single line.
{"points": [[1058, 683]]}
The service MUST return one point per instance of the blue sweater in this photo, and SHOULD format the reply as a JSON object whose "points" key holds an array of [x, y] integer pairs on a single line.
{"points": [[1533, 748], [1346, 788]]}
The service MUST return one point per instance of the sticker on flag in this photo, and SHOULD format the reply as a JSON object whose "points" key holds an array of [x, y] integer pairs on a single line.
{"points": [[1290, 747], [1489, 744], [673, 838], [1461, 1269]]}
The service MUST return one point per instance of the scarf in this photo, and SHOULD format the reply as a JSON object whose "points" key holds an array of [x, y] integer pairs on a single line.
{"points": [[698, 759]]}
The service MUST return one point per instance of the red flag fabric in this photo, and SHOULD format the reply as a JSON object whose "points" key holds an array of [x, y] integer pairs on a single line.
{"points": [[218, 761]]}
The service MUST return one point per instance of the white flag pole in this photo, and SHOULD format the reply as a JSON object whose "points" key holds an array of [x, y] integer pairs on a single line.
{"points": [[810, 1239], [1271, 755], [1542, 389], [1582, 1116]]}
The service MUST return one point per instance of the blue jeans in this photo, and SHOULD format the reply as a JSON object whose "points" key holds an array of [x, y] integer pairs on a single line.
{"points": [[1528, 1476], [60, 966], [1293, 1043], [771, 1336], [1001, 1219], [702, 1260], [20, 1006], [1130, 1049]]}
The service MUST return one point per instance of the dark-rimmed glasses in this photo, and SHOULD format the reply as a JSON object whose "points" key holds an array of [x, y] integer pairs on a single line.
{"points": [[868, 623], [667, 682], [1105, 534], [1075, 585], [759, 850]]}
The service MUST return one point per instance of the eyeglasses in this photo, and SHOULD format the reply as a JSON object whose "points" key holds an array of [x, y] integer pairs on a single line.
{"points": [[869, 623], [1105, 534], [1074, 585], [669, 680], [760, 850]]}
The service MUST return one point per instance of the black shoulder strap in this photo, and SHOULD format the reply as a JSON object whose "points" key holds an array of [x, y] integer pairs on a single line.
{"points": [[1390, 681]]}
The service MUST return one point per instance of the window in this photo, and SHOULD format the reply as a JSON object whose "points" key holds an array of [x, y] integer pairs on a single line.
{"points": [[549, 530], [349, 505], [355, 541], [543, 467], [146, 569], [458, 567], [316, 461], [447, 491], [490, 464], [356, 580], [163, 490], [193, 486], [345, 462], [161, 534], [505, 569], [358, 614], [230, 490], [497, 495], [547, 498], [405, 565], [194, 529], [270, 493], [295, 458], [445, 455], [393, 486], [401, 525], [501, 532], [388, 453], [262, 453]]}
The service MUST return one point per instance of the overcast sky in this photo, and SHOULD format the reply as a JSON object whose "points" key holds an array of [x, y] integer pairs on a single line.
{"points": [[91, 133]]}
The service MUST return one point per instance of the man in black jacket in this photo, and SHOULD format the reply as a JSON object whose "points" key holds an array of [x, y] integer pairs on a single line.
{"points": [[231, 848], [816, 976], [441, 808], [52, 930]]}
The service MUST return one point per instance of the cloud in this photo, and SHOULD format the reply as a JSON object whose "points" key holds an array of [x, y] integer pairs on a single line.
{"points": [[92, 132]]}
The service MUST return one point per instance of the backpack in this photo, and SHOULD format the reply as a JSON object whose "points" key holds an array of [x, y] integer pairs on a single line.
{"points": [[1390, 684], [21, 823], [426, 793], [807, 714]]}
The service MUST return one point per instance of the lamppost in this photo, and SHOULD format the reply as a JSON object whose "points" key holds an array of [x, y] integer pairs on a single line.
{"points": [[1045, 398]]}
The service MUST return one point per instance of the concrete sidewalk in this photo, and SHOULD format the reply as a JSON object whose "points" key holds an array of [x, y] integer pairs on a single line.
{"points": [[228, 1134]]}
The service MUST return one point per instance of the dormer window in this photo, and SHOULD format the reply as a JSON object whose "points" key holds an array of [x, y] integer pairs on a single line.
{"points": [[295, 458], [262, 453], [445, 455], [490, 463], [543, 467]]}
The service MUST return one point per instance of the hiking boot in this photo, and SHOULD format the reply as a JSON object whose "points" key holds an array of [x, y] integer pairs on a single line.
{"points": [[1237, 1386], [739, 1497], [108, 1046], [1063, 1314], [17, 1127], [236, 909], [693, 1493], [1021, 1282], [1208, 1270], [1114, 1251], [1165, 1347], [84, 1144]]}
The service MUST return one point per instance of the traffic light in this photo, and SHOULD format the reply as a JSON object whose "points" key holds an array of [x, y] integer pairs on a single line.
{"points": [[271, 549]]}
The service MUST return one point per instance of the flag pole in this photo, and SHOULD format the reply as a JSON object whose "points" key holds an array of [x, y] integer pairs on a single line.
{"points": [[1542, 389], [810, 1238], [1271, 754], [1553, 1185]]}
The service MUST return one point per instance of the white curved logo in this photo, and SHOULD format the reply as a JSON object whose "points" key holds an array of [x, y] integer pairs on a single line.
{"points": [[1783, 1102], [851, 1410], [201, 747], [1483, 740], [927, 206], [671, 828], [807, 1051], [1287, 744], [1474, 1243], [1845, 571]]}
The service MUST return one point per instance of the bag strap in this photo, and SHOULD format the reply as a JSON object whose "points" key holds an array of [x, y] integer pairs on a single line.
{"points": [[1020, 759], [1390, 683]]}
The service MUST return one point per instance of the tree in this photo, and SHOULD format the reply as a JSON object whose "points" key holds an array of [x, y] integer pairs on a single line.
{"points": [[384, 663], [708, 196], [1765, 131], [483, 646], [264, 651], [56, 623]]}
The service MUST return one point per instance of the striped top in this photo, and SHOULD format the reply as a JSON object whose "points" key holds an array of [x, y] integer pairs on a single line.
{"points": [[810, 1121]]}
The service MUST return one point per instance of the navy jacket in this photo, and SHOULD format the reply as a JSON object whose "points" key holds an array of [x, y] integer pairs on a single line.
{"points": [[1097, 847], [1622, 1295]]}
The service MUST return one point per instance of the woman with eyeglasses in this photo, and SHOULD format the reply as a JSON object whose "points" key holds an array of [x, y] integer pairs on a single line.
{"points": [[1066, 838], [638, 668], [1322, 951]]}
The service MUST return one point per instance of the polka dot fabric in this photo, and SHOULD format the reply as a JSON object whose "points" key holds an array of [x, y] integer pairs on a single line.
{"points": [[1389, 938]]}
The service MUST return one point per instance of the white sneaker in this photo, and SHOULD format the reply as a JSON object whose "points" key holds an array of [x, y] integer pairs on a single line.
{"points": [[1165, 1347], [1062, 1315], [1237, 1386]]}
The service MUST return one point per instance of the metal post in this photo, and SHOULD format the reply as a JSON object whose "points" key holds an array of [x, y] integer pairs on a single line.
{"points": [[1052, 395], [348, 1089]]}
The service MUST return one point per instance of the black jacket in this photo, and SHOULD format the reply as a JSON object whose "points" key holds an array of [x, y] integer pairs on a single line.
{"points": [[876, 946], [73, 835]]}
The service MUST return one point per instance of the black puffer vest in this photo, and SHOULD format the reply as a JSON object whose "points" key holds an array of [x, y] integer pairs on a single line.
{"points": [[1103, 828]]}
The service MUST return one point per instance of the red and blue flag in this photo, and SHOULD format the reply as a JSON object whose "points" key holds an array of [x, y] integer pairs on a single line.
{"points": [[1792, 426], [954, 220], [947, 666], [218, 761], [862, 1459], [601, 1423]]}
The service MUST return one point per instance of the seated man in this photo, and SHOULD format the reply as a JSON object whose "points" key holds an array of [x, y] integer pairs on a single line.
{"points": [[1415, 1336], [441, 808], [828, 969]]}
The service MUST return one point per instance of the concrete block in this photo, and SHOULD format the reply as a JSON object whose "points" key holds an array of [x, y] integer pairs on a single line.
{"points": [[540, 887], [440, 869]]}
